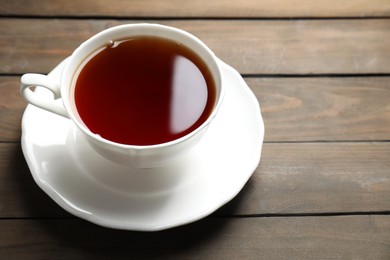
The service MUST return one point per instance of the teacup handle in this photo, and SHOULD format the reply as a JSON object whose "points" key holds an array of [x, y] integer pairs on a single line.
{"points": [[32, 80]]}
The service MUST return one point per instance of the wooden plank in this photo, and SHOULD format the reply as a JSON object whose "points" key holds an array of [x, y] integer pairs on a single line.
{"points": [[317, 178], [324, 109], [252, 46], [12, 106], [291, 179], [294, 109], [200, 8], [19, 194], [348, 237]]}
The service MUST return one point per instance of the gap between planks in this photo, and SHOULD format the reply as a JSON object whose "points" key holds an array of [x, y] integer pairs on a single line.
{"points": [[181, 18]]}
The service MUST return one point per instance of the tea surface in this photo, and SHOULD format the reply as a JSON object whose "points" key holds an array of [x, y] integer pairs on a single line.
{"points": [[144, 91]]}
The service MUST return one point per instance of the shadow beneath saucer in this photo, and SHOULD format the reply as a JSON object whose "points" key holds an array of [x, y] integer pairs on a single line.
{"points": [[85, 240], [202, 238], [22, 197]]}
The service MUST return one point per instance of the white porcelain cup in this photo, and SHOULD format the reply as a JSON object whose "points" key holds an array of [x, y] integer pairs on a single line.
{"points": [[146, 156]]}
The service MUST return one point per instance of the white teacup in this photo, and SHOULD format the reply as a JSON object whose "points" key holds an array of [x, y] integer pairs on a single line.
{"points": [[139, 156]]}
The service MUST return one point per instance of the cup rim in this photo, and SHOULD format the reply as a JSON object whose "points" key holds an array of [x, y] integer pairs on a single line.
{"points": [[217, 77]]}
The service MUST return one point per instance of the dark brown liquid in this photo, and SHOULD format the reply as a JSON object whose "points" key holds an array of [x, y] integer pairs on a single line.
{"points": [[144, 91]]}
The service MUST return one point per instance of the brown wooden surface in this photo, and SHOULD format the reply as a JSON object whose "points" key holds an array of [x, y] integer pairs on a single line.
{"points": [[349, 237], [199, 8], [251, 46], [322, 188]]}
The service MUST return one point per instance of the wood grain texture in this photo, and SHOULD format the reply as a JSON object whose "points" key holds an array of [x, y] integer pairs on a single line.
{"points": [[294, 109], [348, 237], [322, 189], [199, 8], [251, 46], [19, 194], [291, 179], [12, 106], [317, 178], [324, 109]]}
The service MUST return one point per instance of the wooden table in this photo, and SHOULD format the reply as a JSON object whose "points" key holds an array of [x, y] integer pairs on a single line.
{"points": [[321, 72]]}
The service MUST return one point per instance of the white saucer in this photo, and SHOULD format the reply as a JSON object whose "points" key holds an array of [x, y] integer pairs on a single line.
{"points": [[93, 188]]}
